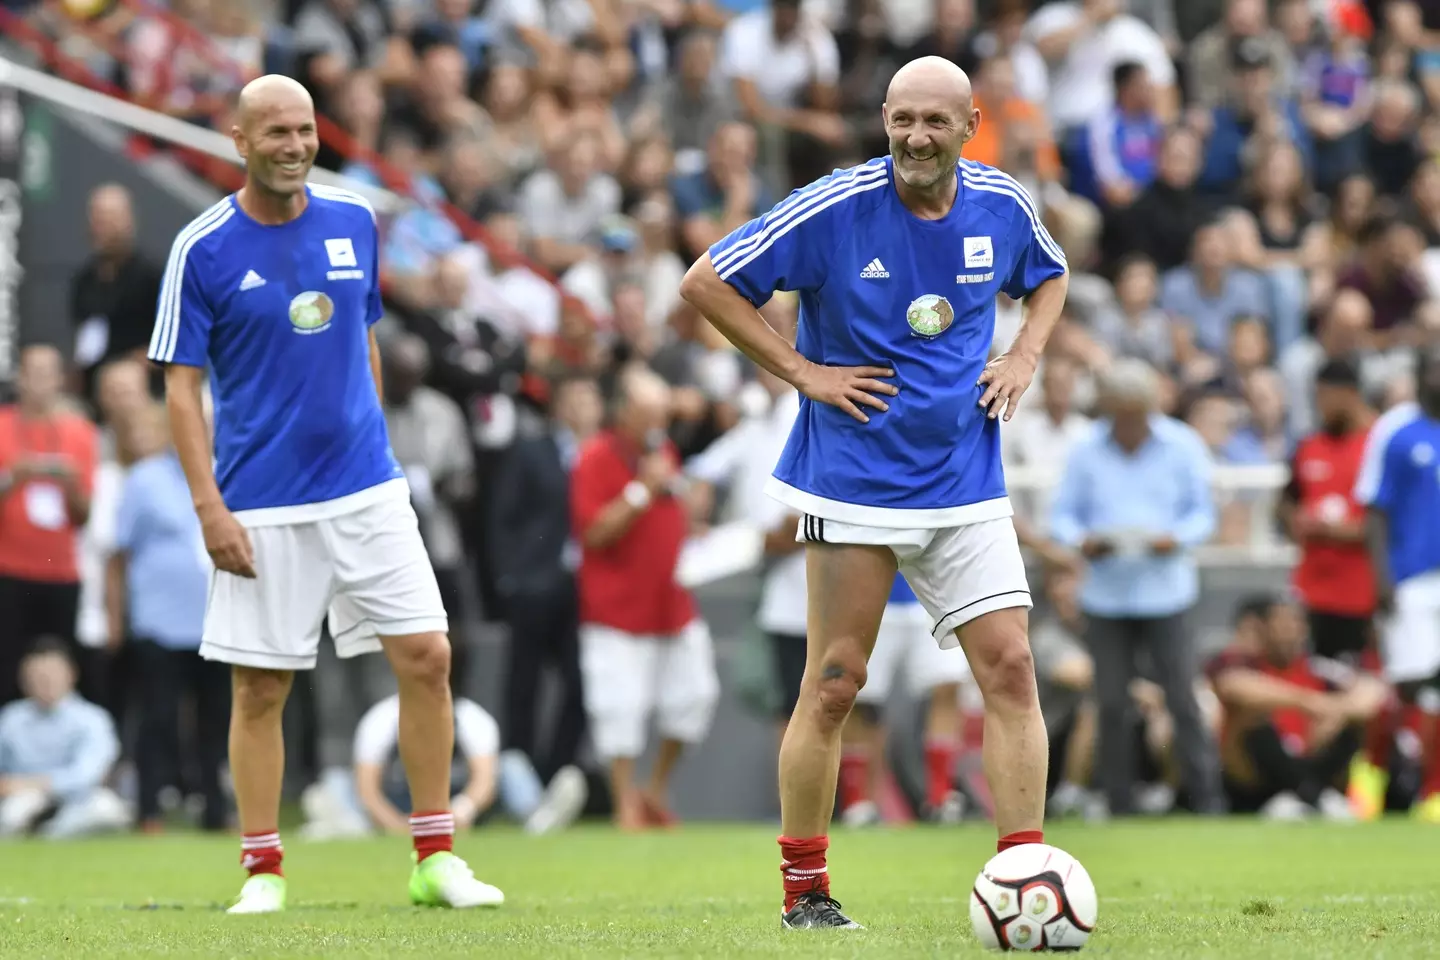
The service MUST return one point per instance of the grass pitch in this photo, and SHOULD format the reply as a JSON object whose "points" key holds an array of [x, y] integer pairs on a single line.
{"points": [[1232, 890]]}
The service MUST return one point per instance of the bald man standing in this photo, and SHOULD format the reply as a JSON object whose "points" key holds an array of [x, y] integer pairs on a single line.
{"points": [[304, 509], [894, 460]]}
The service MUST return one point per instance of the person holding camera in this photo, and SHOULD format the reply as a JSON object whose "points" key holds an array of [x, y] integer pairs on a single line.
{"points": [[643, 646]]}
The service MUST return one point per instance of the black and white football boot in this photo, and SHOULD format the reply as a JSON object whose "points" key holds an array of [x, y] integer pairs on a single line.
{"points": [[815, 910]]}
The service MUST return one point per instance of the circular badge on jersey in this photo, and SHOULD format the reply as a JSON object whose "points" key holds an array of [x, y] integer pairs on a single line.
{"points": [[930, 315], [310, 312]]}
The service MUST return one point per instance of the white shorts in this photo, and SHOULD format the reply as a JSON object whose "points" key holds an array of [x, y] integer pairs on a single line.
{"points": [[627, 677], [904, 644], [1410, 637], [368, 569], [957, 573]]}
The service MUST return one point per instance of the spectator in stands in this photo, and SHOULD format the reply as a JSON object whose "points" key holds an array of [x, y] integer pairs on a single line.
{"points": [[725, 195], [507, 99], [1211, 55], [469, 175], [615, 262], [582, 103], [1163, 221], [1083, 43], [113, 296], [562, 209], [784, 70], [1262, 436], [643, 647], [648, 169], [157, 584], [1392, 152], [1123, 143], [1210, 291], [1387, 271], [1133, 325], [689, 104], [1344, 334], [1293, 722], [1335, 99], [429, 438], [334, 37], [1066, 677], [871, 51], [1319, 512], [1258, 112], [660, 267], [537, 557], [1014, 135], [48, 455], [455, 21], [434, 106], [56, 750], [1043, 435], [1142, 579]]}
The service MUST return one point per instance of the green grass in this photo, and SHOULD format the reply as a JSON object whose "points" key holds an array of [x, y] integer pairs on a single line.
{"points": [[1177, 888]]}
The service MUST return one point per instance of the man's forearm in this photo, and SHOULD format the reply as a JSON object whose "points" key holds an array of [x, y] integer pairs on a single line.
{"points": [[192, 440], [740, 323], [1041, 315], [613, 521]]}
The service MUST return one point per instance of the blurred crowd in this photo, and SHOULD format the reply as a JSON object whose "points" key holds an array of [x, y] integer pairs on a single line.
{"points": [[1248, 194]]}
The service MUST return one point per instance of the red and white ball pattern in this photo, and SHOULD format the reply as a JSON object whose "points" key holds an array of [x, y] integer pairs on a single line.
{"points": [[1033, 897]]}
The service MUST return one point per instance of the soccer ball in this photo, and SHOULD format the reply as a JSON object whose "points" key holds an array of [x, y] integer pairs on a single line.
{"points": [[1033, 897]]}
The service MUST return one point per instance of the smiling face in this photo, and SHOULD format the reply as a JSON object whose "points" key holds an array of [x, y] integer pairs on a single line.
{"points": [[276, 135], [929, 116]]}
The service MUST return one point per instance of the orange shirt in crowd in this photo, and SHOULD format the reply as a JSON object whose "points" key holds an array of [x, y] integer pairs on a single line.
{"points": [[988, 146], [38, 540]]}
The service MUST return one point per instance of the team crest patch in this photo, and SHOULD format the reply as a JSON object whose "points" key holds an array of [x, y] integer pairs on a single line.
{"points": [[1423, 454], [310, 312], [979, 253], [930, 315]]}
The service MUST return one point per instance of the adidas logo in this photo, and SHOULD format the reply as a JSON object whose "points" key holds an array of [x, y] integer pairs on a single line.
{"points": [[252, 280], [874, 270]]}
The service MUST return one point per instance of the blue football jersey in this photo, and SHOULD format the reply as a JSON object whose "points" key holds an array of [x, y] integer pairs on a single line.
{"points": [[281, 317], [1400, 475], [900, 593], [880, 286]]}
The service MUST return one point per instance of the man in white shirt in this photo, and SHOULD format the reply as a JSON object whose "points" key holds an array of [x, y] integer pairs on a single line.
{"points": [[1040, 437], [1083, 43], [375, 795]]}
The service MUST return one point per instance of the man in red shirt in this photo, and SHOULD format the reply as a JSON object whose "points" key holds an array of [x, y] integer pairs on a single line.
{"points": [[1333, 577], [48, 458], [1292, 721], [643, 647]]}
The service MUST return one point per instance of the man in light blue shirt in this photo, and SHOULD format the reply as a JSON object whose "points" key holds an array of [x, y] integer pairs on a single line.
{"points": [[56, 749], [1210, 292], [1135, 500], [161, 562]]}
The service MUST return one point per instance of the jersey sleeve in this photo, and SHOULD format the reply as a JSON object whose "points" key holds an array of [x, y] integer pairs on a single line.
{"points": [[1037, 257], [788, 248], [183, 317], [594, 483], [1375, 482]]}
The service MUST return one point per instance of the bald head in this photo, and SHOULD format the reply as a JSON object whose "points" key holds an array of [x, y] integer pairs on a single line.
{"points": [[267, 93], [275, 134], [930, 77], [644, 403], [929, 116]]}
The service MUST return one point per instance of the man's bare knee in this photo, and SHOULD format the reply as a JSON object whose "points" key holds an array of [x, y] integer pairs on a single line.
{"points": [[999, 654], [258, 693], [422, 659], [841, 676]]}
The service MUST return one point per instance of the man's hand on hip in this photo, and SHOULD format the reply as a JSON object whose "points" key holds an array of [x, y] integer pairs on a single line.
{"points": [[847, 387], [1006, 378], [227, 542]]}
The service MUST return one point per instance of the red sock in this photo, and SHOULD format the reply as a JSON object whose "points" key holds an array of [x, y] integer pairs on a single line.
{"points": [[802, 865], [854, 778], [939, 762], [1019, 838], [261, 853], [433, 833], [1430, 785]]}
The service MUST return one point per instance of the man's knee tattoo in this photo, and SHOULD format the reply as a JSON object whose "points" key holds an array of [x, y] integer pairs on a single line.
{"points": [[832, 671]]}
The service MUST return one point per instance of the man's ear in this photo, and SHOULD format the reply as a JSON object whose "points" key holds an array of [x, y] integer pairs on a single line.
{"points": [[242, 147], [973, 126]]}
